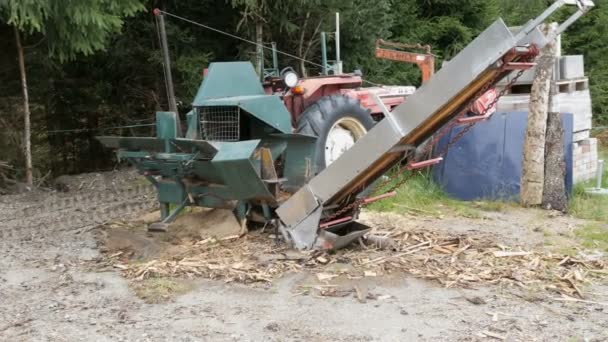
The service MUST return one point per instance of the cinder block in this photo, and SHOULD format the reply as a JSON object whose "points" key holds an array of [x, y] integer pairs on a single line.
{"points": [[585, 156], [572, 67], [582, 135], [579, 104], [514, 103]]}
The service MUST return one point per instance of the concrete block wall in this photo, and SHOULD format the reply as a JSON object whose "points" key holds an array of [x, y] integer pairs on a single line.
{"points": [[577, 102], [585, 158]]}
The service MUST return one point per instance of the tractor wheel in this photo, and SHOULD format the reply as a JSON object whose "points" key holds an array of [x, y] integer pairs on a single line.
{"points": [[337, 121]]}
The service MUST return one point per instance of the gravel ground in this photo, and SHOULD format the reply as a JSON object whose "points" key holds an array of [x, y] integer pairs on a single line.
{"points": [[52, 287]]}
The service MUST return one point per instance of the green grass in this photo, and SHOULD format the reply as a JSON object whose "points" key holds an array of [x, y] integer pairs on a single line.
{"points": [[593, 235], [590, 207], [160, 290], [421, 196]]}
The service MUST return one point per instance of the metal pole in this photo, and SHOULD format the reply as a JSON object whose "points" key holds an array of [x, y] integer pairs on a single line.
{"points": [[167, 63], [323, 53], [275, 59], [338, 62], [600, 172]]}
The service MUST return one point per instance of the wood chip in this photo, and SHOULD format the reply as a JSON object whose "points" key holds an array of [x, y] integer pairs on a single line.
{"points": [[504, 254], [369, 273], [325, 276], [360, 294], [323, 260], [566, 298], [114, 255], [493, 335]]}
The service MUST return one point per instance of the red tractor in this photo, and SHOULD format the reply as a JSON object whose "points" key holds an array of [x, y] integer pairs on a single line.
{"points": [[339, 110]]}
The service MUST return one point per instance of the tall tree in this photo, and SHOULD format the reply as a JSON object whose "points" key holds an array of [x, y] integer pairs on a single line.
{"points": [[70, 27], [27, 148], [257, 12]]}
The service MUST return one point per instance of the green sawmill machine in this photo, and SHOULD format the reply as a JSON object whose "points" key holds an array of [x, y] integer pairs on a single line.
{"points": [[246, 148]]}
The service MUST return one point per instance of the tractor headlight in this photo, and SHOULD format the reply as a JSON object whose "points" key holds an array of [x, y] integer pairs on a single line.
{"points": [[290, 78]]}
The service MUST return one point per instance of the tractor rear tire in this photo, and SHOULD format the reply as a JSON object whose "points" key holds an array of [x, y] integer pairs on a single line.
{"points": [[337, 121]]}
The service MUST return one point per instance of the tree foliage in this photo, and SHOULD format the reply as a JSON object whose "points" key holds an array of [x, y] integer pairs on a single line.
{"points": [[72, 27]]}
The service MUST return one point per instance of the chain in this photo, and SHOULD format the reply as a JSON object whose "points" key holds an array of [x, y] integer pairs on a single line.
{"points": [[359, 202]]}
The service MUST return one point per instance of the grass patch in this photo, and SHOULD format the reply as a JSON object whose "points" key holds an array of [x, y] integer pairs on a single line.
{"points": [[585, 206], [421, 196], [160, 290], [594, 236]]}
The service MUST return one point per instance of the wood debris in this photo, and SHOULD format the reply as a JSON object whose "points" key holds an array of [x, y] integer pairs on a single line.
{"points": [[451, 260], [505, 254]]}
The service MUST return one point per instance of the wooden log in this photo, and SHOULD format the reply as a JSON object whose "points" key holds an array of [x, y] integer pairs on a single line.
{"points": [[533, 168], [554, 188]]}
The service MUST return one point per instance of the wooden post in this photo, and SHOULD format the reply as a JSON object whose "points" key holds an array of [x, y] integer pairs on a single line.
{"points": [[27, 148], [533, 168]]}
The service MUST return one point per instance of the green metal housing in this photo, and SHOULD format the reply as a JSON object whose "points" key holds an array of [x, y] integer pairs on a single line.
{"points": [[238, 151]]}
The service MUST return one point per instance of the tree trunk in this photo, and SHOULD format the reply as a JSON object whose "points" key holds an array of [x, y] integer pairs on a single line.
{"points": [[301, 46], [533, 168], [259, 50], [29, 179]]}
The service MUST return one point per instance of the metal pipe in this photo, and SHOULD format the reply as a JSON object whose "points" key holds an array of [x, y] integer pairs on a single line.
{"points": [[338, 62], [323, 53], [275, 59], [167, 63], [600, 173]]}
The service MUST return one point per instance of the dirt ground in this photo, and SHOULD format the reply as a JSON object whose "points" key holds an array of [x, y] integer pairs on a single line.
{"points": [[62, 279]]}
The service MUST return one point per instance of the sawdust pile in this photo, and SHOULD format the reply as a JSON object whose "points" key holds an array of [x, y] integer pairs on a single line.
{"points": [[453, 261]]}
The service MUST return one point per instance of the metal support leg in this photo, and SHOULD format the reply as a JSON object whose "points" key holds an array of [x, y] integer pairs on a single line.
{"points": [[164, 210], [240, 212], [167, 216]]}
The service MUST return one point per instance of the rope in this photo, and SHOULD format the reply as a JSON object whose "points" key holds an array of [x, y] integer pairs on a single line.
{"points": [[96, 129], [239, 38], [263, 45]]}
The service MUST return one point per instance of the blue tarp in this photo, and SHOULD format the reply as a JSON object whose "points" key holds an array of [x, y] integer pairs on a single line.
{"points": [[487, 162]]}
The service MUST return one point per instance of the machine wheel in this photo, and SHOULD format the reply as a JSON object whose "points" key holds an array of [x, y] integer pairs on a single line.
{"points": [[338, 121]]}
